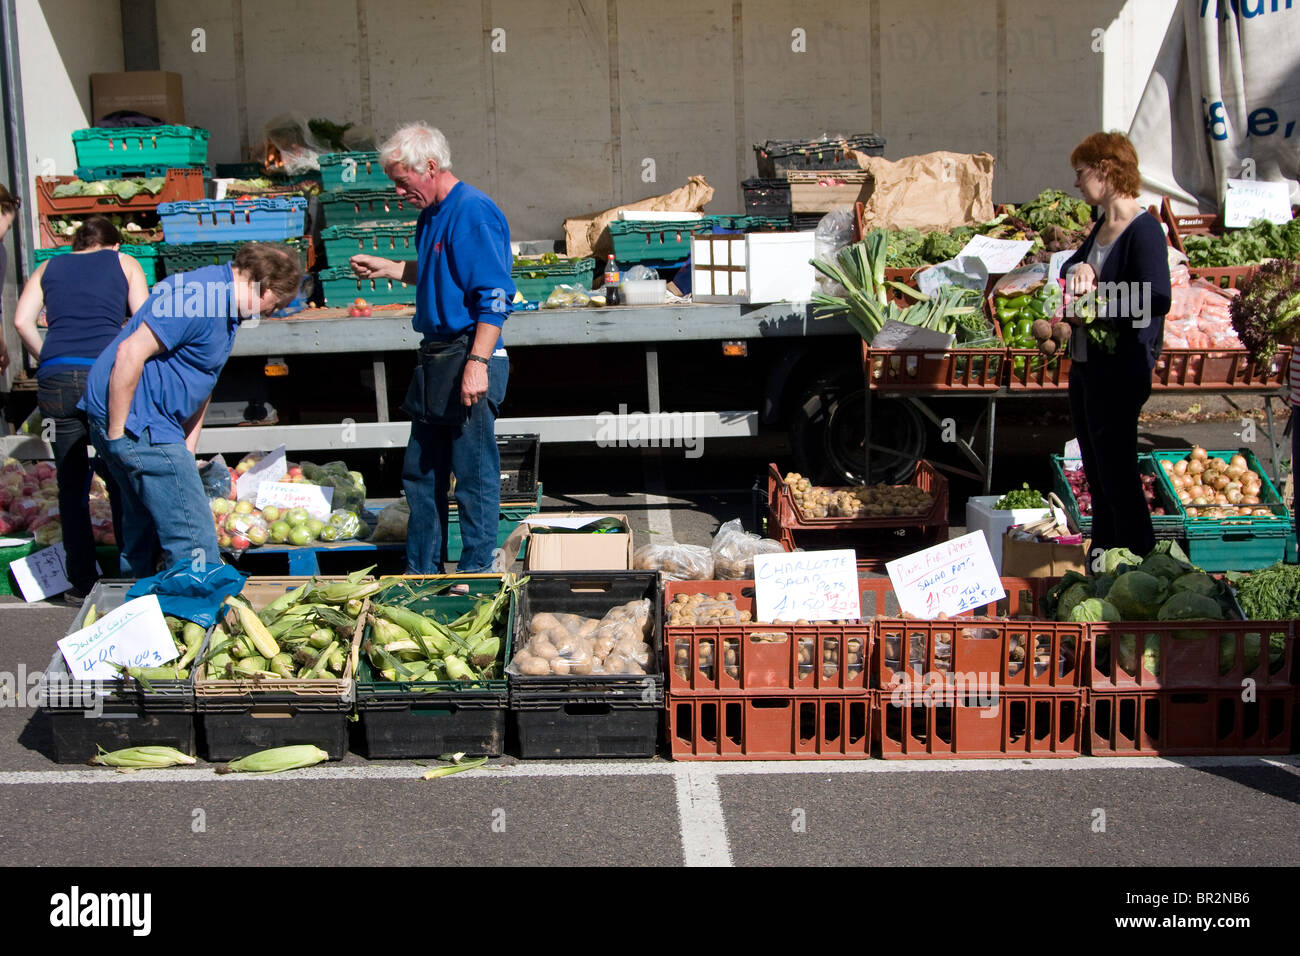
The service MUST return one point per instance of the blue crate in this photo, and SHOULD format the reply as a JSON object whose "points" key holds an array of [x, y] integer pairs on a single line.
{"points": [[220, 220]]}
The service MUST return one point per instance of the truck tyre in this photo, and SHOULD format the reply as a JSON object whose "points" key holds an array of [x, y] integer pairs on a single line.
{"points": [[826, 434]]}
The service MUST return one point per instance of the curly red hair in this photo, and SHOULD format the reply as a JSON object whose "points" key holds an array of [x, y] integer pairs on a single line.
{"points": [[1114, 158]]}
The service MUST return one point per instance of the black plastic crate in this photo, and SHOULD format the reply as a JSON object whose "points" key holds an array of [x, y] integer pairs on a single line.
{"points": [[78, 736], [766, 197], [777, 156], [590, 594], [433, 724], [233, 729], [519, 459], [576, 727]]}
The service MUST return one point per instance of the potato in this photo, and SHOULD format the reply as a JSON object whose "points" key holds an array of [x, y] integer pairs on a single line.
{"points": [[559, 666], [535, 667], [582, 667], [603, 646], [544, 650], [613, 665], [542, 622], [588, 627]]}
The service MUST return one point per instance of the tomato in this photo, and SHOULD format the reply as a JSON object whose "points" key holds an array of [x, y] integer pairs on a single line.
{"points": [[359, 302]]}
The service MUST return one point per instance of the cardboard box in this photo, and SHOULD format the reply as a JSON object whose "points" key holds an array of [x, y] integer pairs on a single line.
{"points": [[152, 92], [1042, 559], [572, 552], [981, 516]]}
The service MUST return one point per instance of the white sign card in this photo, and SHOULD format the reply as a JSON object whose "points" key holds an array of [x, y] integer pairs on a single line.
{"points": [[133, 635], [998, 255], [272, 467], [899, 335], [1251, 199], [43, 573], [1057, 263], [967, 273], [949, 578], [807, 586], [286, 495]]}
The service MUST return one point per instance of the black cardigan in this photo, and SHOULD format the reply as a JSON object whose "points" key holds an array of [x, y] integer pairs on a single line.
{"points": [[1139, 261]]}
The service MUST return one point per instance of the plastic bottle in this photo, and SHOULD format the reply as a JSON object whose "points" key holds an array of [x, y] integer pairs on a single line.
{"points": [[612, 279]]}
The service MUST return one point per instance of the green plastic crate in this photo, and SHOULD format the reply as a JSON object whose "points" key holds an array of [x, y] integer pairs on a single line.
{"points": [[1168, 525], [145, 253], [364, 206], [535, 284], [636, 241], [392, 240], [739, 223], [185, 256], [7, 557], [353, 172], [507, 521], [1233, 544], [141, 146], [340, 285]]}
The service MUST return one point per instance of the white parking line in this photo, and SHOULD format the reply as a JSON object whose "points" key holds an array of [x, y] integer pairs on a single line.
{"points": [[413, 771], [699, 810]]}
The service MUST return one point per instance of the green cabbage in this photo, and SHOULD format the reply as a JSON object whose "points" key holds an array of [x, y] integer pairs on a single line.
{"points": [[1162, 566], [1198, 582], [1115, 557], [1071, 598], [1189, 606], [1093, 610], [1138, 596], [1127, 658]]}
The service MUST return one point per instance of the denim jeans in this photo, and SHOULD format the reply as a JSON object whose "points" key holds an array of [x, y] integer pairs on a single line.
{"points": [[163, 503], [433, 455], [58, 394]]}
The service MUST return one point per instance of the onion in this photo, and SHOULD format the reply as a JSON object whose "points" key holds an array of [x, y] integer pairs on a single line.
{"points": [[1218, 464], [1234, 497], [1238, 461], [1236, 471], [1263, 512], [1184, 497], [1220, 482], [1200, 500], [1167, 465], [1192, 513], [1250, 499], [1249, 475], [1220, 500], [1252, 487], [1196, 467], [1199, 453], [1180, 467]]}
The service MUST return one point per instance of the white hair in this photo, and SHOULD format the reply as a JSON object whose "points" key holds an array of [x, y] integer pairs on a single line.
{"points": [[414, 145]]}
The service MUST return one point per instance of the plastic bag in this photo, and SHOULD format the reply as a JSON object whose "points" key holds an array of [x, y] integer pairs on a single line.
{"points": [[691, 609], [677, 562], [343, 525], [391, 525], [734, 549], [833, 233], [567, 297], [639, 273], [215, 475], [568, 644], [50, 533], [1028, 278], [300, 150]]}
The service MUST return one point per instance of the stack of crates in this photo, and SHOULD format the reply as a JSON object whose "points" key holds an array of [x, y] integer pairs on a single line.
{"points": [[362, 213], [741, 690]]}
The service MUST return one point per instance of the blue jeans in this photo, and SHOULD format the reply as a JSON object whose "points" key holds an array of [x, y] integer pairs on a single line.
{"points": [[58, 393], [433, 455], [163, 503]]}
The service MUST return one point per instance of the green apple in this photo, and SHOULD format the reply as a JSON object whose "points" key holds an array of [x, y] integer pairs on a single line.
{"points": [[328, 533], [243, 507], [297, 516], [299, 535], [271, 514], [315, 526], [280, 531], [219, 506]]}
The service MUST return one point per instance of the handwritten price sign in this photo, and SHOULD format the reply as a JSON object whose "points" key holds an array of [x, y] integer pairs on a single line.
{"points": [[286, 495], [807, 585], [134, 635], [949, 578]]}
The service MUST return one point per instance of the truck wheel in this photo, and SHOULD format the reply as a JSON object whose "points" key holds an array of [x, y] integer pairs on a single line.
{"points": [[827, 433]]}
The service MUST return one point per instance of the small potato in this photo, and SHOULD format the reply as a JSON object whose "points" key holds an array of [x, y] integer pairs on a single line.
{"points": [[535, 667], [559, 666], [581, 667], [542, 622], [614, 665], [588, 627], [545, 650]]}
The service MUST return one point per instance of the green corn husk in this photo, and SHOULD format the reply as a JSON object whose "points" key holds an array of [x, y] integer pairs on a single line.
{"points": [[193, 636], [282, 604], [282, 664], [141, 758], [459, 767], [321, 638], [321, 662], [277, 760]]}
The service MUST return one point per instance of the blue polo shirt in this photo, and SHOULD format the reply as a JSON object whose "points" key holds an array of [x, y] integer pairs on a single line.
{"points": [[463, 275], [193, 314]]}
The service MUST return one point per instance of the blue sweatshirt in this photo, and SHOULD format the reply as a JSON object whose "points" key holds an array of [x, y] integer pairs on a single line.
{"points": [[464, 266]]}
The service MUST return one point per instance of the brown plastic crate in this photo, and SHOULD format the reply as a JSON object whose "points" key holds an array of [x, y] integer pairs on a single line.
{"points": [[1008, 724], [934, 370], [1038, 373], [770, 728], [181, 185], [1190, 655], [767, 655], [1179, 225], [1140, 723], [977, 648], [1217, 369], [789, 516]]}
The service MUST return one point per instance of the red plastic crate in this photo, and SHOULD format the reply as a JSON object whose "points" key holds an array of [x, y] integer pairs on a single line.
{"points": [[931, 370], [1018, 724], [1038, 372], [1189, 723], [181, 185], [781, 504], [874, 549], [770, 728], [1189, 655], [1004, 642], [1217, 369], [766, 656]]}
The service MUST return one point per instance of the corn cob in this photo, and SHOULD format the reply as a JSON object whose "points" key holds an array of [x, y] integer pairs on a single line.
{"points": [[283, 603], [141, 757], [254, 628], [322, 661], [340, 592], [321, 637], [457, 669], [92, 615], [353, 607], [252, 667], [146, 674], [193, 635], [282, 664], [459, 767], [277, 759]]}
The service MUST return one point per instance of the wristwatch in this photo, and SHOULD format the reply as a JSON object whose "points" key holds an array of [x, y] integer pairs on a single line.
{"points": [[476, 358]]}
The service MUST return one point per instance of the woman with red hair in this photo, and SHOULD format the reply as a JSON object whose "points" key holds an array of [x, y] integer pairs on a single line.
{"points": [[1122, 267]]}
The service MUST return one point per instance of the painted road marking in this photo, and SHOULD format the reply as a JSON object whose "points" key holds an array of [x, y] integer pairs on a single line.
{"points": [[699, 811]]}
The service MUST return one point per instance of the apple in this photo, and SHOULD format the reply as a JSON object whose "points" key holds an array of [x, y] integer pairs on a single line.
{"points": [[271, 514], [280, 532], [244, 467], [364, 312], [224, 540], [297, 516], [295, 472], [257, 534], [220, 506], [354, 312], [315, 526], [329, 533], [300, 535], [240, 542], [244, 507]]}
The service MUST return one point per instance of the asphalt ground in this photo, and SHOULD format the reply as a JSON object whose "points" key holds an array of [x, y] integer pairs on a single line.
{"points": [[1147, 812]]}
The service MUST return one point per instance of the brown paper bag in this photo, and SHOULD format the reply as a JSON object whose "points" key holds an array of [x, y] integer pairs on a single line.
{"points": [[586, 235], [935, 191], [1041, 559]]}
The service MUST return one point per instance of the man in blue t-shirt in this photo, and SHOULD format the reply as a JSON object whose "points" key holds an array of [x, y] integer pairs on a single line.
{"points": [[463, 293], [148, 390]]}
